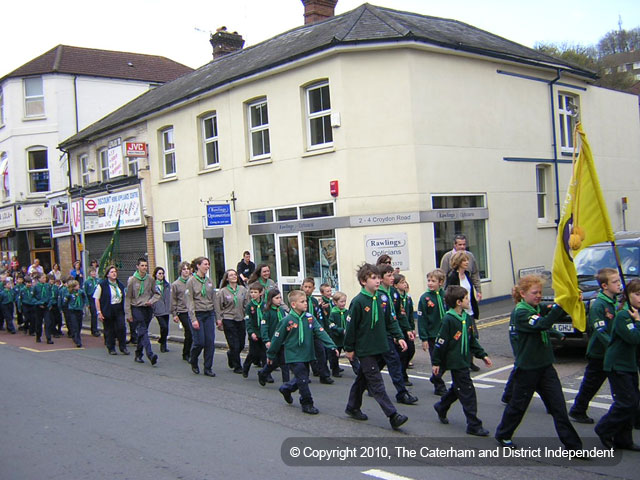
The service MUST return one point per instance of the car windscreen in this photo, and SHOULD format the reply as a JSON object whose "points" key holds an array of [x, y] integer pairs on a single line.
{"points": [[592, 259]]}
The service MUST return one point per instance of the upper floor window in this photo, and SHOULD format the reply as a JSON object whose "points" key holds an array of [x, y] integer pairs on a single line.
{"points": [[210, 141], [103, 163], [33, 97], [567, 116], [38, 170], [84, 170], [1, 107], [132, 166], [319, 131], [259, 130], [168, 153], [542, 181], [5, 191]]}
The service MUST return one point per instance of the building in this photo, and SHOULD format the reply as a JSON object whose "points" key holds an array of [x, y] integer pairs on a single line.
{"points": [[41, 103], [375, 131]]}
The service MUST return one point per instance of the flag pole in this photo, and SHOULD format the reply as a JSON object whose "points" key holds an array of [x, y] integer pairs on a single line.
{"points": [[619, 265]]}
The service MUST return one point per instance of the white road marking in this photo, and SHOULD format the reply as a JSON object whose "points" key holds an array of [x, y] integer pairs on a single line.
{"points": [[374, 472]]}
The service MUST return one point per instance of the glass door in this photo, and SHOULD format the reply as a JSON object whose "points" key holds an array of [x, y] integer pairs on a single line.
{"points": [[289, 263]]}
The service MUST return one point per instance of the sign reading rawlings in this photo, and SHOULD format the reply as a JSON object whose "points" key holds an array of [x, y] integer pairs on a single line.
{"points": [[125, 204]]}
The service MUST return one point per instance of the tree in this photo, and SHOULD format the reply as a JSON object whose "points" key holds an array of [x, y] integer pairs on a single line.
{"points": [[619, 41]]}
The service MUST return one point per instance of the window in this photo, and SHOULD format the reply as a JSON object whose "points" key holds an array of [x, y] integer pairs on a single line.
{"points": [[4, 176], [168, 153], [38, 170], [319, 132], [33, 97], [210, 141], [132, 166], [287, 214], [171, 227], [215, 250], [103, 162], [1, 107], [542, 180], [568, 115], [259, 130], [84, 170]]}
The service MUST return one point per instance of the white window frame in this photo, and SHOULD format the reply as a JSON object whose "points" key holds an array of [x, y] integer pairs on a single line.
{"points": [[85, 173], [543, 178], [38, 171], [320, 114], [168, 148], [258, 129], [33, 99], [567, 120], [103, 164], [5, 179], [1, 107], [210, 140]]}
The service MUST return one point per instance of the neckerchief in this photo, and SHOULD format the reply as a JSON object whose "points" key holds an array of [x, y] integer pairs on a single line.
{"points": [[328, 300], [310, 306], [263, 283], [76, 299], [160, 286], [464, 345], [606, 298], [439, 298], [522, 305], [116, 289], [301, 325], [235, 294], [343, 322], [278, 311], [374, 305], [182, 279], [142, 279], [258, 306], [203, 281]]}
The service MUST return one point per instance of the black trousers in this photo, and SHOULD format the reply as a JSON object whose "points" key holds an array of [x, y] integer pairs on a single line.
{"points": [[163, 322], [319, 365], [278, 362], [94, 316], [370, 378], [188, 337], [257, 353], [545, 381], [462, 389], [435, 379], [618, 422], [300, 381], [114, 328], [235, 332], [594, 377], [407, 355], [392, 360]]}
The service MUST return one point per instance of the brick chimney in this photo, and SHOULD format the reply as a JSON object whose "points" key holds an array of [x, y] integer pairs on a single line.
{"points": [[318, 10], [224, 42]]}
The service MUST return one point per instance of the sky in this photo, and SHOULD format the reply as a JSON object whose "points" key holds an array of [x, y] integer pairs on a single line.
{"points": [[180, 29]]}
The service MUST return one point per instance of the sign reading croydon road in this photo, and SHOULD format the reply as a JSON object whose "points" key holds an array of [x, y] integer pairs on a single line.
{"points": [[218, 215]]}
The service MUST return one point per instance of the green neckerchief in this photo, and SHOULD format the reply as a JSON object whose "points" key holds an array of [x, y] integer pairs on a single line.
{"points": [[343, 322], [203, 281], [160, 286], [182, 279], [606, 298], [387, 290], [464, 345], [440, 304], [374, 306], [235, 294], [327, 300], [278, 311], [258, 306], [310, 306], [116, 289], [142, 279], [76, 299], [522, 305], [301, 325], [263, 283]]}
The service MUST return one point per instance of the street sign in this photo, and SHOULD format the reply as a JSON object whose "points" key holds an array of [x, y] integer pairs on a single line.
{"points": [[218, 215], [90, 205]]}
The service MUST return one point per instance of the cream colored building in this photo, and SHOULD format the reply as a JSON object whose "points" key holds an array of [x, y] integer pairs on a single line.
{"points": [[430, 127]]}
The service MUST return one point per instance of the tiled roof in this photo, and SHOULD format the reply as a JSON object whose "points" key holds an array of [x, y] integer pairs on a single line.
{"points": [[366, 24], [102, 63]]}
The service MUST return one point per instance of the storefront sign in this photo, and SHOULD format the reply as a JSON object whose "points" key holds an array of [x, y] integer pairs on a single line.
{"points": [[60, 220], [395, 245], [7, 218], [218, 215], [34, 215], [75, 217], [116, 161], [136, 149], [125, 204], [454, 214], [299, 225], [385, 219]]}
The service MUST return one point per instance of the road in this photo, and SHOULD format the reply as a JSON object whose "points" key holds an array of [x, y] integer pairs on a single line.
{"points": [[80, 413]]}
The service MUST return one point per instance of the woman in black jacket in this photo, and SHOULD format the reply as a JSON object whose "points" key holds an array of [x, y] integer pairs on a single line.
{"points": [[109, 300]]}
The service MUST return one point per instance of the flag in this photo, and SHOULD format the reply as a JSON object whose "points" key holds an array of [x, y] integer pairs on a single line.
{"points": [[111, 252], [584, 221]]}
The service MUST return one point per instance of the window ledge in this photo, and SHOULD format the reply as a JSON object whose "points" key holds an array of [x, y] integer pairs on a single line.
{"points": [[319, 151], [252, 163], [544, 224], [567, 154], [31, 119], [169, 179], [203, 171]]}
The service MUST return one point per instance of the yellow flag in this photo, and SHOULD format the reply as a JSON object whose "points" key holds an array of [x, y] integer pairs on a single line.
{"points": [[584, 221]]}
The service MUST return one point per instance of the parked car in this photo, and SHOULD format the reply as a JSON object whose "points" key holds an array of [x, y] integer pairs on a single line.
{"points": [[587, 264]]}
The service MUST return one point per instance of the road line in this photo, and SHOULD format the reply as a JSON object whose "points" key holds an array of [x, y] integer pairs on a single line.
{"points": [[495, 322], [491, 372], [482, 385], [604, 406], [52, 350], [385, 475]]}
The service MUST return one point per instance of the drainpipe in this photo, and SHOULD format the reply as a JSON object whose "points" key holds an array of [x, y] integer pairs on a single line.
{"points": [[75, 101], [555, 146]]}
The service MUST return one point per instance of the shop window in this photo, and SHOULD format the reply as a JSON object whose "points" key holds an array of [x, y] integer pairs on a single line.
{"points": [[316, 211], [286, 214], [320, 257], [173, 260], [263, 216], [264, 251], [215, 249]]}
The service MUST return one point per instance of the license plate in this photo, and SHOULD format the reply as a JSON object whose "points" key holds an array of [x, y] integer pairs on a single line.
{"points": [[563, 327]]}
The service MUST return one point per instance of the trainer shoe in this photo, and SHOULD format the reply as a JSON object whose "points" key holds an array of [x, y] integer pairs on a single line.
{"points": [[506, 442]]}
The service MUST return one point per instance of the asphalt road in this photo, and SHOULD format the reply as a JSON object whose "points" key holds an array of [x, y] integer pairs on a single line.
{"points": [[82, 414]]}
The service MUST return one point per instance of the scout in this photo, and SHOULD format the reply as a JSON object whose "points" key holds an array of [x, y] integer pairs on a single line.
{"points": [[319, 366], [273, 315], [252, 320], [140, 295]]}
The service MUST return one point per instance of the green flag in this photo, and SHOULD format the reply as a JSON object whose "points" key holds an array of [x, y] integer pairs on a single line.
{"points": [[111, 252]]}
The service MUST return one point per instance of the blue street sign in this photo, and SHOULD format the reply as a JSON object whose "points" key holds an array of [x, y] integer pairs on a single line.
{"points": [[218, 215]]}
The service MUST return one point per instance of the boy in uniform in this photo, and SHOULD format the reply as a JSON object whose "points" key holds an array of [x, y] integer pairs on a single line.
{"points": [[297, 332], [6, 303], [252, 320], [18, 289], [326, 303], [368, 325], [454, 346], [141, 294], [319, 366], [42, 296], [430, 312], [403, 306], [89, 287]]}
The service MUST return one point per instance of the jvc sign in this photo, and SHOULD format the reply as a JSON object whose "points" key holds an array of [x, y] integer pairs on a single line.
{"points": [[218, 215]]}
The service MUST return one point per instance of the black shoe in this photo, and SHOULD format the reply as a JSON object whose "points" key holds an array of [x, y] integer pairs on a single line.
{"points": [[478, 432], [245, 372], [78, 345], [13, 332], [310, 409], [270, 379], [406, 398], [474, 367], [506, 442], [209, 373], [112, 352], [634, 447], [49, 342], [440, 390], [237, 370], [326, 380], [580, 417], [287, 395], [442, 416], [139, 359], [124, 351], [397, 420], [195, 369], [163, 348], [505, 400], [185, 357], [356, 414], [606, 441], [336, 374], [262, 380], [153, 358]]}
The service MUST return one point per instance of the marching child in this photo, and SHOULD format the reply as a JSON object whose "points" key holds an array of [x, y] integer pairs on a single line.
{"points": [[75, 300], [273, 315], [89, 287], [337, 328], [326, 302], [297, 332], [368, 324], [7, 297], [431, 309], [454, 346], [42, 294], [63, 291], [319, 366], [403, 306], [17, 290], [54, 312], [29, 305], [253, 319]]}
